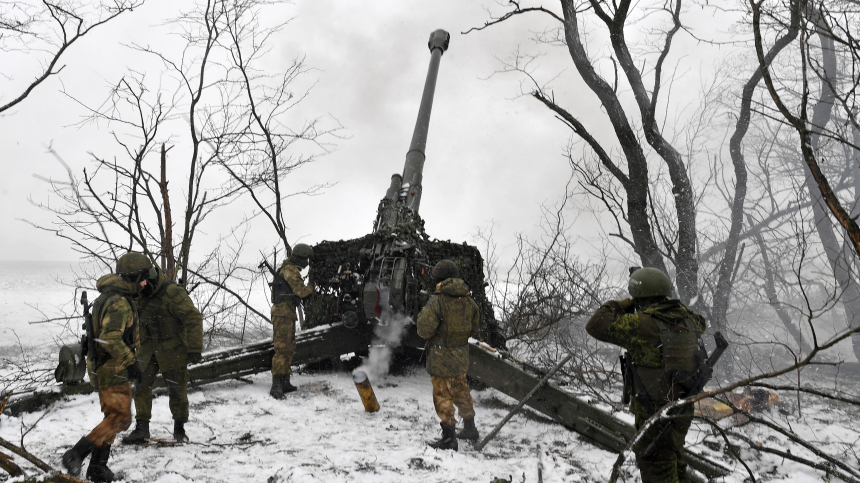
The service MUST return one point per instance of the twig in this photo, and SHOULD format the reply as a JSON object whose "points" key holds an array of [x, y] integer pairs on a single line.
{"points": [[808, 391], [165, 442], [730, 447]]}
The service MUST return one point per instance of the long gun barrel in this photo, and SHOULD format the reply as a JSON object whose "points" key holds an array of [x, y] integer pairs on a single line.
{"points": [[406, 189]]}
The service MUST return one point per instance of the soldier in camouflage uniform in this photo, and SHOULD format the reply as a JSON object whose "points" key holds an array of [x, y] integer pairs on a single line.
{"points": [[288, 289], [171, 336], [447, 321], [660, 334], [112, 366]]}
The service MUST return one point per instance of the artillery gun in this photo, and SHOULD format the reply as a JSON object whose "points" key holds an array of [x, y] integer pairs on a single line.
{"points": [[364, 284], [386, 275]]}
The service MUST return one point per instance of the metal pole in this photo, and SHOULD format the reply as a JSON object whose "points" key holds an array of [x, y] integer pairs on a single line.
{"points": [[522, 403]]}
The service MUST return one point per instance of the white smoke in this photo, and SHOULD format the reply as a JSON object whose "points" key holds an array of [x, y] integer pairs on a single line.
{"points": [[386, 339]]}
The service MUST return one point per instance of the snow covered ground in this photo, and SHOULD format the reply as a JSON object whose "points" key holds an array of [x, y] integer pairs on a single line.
{"points": [[322, 434]]}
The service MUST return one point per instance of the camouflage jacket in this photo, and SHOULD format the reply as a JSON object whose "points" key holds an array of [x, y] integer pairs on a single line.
{"points": [[292, 274], [114, 327], [447, 321], [637, 332], [170, 324]]}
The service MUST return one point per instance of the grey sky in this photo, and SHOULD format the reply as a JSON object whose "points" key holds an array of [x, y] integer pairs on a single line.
{"points": [[490, 157], [493, 155]]}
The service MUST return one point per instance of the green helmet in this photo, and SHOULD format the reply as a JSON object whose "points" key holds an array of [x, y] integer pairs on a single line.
{"points": [[649, 282], [445, 269], [134, 266], [303, 251]]}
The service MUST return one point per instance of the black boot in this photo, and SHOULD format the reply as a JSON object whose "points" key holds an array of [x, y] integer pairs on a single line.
{"points": [[469, 430], [448, 441], [277, 390], [74, 458], [285, 383], [179, 432], [98, 472], [139, 435]]}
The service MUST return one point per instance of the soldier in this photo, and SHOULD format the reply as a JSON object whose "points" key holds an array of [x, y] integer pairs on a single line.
{"points": [[288, 289], [660, 334], [447, 321], [171, 336], [112, 364]]}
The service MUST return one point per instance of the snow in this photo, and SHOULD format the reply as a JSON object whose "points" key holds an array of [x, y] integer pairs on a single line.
{"points": [[321, 434]]}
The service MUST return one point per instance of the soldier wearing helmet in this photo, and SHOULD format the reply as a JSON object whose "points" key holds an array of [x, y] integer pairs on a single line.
{"points": [[171, 336], [447, 321], [288, 289], [660, 335], [112, 366]]}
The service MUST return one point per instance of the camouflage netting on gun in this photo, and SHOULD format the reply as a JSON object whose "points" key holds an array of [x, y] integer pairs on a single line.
{"points": [[333, 256]]}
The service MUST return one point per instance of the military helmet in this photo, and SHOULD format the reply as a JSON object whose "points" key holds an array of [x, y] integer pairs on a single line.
{"points": [[649, 282], [135, 266], [303, 251], [445, 269]]}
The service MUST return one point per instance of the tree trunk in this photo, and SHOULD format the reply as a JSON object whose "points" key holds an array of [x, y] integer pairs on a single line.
{"points": [[821, 113]]}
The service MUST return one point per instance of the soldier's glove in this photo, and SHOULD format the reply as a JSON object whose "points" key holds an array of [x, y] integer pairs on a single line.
{"points": [[195, 357], [626, 305], [134, 373], [621, 306]]}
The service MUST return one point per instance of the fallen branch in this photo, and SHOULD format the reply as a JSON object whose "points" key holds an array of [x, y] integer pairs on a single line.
{"points": [[9, 466], [807, 390], [27, 456], [827, 468], [53, 476], [165, 442], [831, 461]]}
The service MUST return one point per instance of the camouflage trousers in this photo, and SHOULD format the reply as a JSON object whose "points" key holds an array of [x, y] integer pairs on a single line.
{"points": [[448, 391], [116, 405], [284, 338], [177, 391], [664, 464]]}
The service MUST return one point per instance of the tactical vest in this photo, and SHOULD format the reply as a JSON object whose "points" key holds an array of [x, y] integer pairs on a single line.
{"points": [[156, 315], [453, 331], [680, 360], [281, 290], [101, 356]]}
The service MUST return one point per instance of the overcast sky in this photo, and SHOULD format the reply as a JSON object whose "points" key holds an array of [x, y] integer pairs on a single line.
{"points": [[493, 155]]}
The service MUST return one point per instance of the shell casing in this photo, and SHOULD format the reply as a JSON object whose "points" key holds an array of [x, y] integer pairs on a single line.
{"points": [[365, 390]]}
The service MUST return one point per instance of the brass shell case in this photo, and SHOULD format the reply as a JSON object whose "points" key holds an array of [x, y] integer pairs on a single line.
{"points": [[365, 390]]}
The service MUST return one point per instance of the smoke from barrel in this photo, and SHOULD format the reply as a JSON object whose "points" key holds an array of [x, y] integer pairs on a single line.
{"points": [[365, 391]]}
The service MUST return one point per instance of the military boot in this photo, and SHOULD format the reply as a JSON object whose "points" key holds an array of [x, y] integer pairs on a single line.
{"points": [[139, 435], [285, 383], [277, 390], [97, 471], [74, 458], [469, 430], [448, 440], [179, 432]]}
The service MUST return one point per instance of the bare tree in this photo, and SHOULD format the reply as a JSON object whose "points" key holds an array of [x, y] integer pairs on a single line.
{"points": [[824, 123], [624, 180], [262, 148], [237, 144], [51, 28]]}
